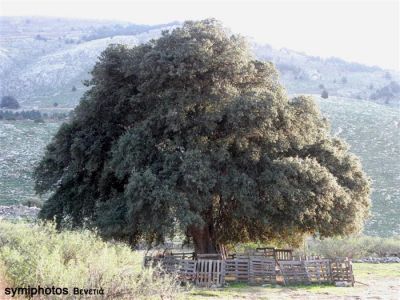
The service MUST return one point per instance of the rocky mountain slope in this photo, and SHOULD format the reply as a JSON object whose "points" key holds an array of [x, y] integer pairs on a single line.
{"points": [[44, 60]]}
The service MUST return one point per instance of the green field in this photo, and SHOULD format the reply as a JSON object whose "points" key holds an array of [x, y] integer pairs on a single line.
{"points": [[372, 130]]}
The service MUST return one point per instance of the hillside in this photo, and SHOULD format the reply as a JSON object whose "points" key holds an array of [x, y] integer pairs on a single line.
{"points": [[22, 144], [302, 73], [45, 60], [372, 130]]}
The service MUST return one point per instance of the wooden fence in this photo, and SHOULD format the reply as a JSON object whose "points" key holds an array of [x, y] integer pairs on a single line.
{"points": [[318, 271], [294, 272], [256, 270], [278, 254], [262, 270], [237, 269], [210, 272], [342, 270]]}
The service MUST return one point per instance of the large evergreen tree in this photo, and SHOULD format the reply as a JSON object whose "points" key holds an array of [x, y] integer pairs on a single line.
{"points": [[189, 133]]}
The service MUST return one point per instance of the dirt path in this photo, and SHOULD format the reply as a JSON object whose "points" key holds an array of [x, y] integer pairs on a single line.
{"points": [[386, 289]]}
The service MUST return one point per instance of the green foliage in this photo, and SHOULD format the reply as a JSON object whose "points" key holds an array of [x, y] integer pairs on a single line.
{"points": [[9, 102], [354, 247], [388, 92], [32, 255], [189, 133], [33, 203]]}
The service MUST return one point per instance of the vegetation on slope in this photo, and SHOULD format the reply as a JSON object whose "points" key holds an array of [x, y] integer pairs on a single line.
{"points": [[37, 255], [41, 59]]}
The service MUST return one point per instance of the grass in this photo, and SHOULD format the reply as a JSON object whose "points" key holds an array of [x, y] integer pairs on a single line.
{"points": [[363, 270]]}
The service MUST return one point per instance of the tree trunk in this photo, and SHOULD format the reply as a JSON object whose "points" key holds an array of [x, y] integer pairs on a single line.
{"points": [[203, 240]]}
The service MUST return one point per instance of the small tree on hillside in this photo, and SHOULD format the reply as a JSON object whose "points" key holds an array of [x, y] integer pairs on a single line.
{"points": [[9, 102], [324, 94], [189, 133]]}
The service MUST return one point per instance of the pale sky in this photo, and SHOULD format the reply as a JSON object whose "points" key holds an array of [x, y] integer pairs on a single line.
{"points": [[362, 31]]}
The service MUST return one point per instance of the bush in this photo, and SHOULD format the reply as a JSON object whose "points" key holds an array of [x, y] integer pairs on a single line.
{"points": [[33, 203], [38, 120], [9, 102], [324, 94], [32, 255], [354, 247]]}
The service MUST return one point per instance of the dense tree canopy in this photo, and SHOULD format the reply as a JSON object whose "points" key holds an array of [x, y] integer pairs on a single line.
{"points": [[189, 133]]}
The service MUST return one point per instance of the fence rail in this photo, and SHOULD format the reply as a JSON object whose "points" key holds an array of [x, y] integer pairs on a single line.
{"points": [[256, 270]]}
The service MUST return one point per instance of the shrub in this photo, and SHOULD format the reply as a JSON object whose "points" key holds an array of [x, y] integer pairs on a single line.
{"points": [[324, 94], [33, 203], [354, 247], [32, 255], [9, 102]]}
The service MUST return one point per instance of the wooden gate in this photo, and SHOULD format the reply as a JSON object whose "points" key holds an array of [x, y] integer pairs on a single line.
{"points": [[237, 269], [318, 270], [210, 272], [294, 272], [187, 270], [262, 270]]}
